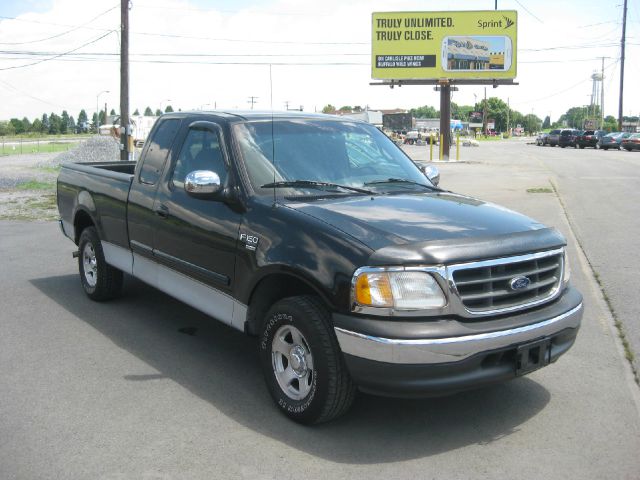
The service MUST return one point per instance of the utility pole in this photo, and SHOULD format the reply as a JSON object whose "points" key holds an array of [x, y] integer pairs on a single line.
{"points": [[484, 112], [124, 80], [622, 44], [602, 95], [508, 108], [252, 101]]}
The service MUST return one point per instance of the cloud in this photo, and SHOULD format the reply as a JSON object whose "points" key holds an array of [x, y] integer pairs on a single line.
{"points": [[191, 28]]}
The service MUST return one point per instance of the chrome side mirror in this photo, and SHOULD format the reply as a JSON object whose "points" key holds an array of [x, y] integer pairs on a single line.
{"points": [[432, 173], [202, 182]]}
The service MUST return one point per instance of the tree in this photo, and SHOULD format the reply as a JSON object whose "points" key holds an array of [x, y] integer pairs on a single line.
{"points": [[532, 123], [6, 129], [102, 117], [158, 112], [71, 125], [94, 123], [64, 122], [547, 122], [136, 113], [461, 112], [26, 124], [497, 110], [36, 126], [357, 108], [148, 112], [54, 124], [82, 116], [328, 108], [112, 112], [610, 123], [426, 111], [345, 109], [169, 109], [45, 123], [18, 127]]}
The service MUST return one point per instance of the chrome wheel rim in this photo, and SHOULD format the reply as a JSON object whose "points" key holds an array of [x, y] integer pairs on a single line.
{"points": [[90, 265], [292, 362]]}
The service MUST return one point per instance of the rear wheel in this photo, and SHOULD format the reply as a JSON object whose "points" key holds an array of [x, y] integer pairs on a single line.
{"points": [[302, 362], [100, 280]]}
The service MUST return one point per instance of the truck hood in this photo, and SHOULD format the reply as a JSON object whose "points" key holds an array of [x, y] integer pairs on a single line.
{"points": [[432, 227]]}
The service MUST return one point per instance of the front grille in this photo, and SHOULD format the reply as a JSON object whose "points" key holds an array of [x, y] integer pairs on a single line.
{"points": [[486, 286]]}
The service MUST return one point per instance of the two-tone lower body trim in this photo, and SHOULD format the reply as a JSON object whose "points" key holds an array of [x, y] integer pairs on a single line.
{"points": [[450, 349]]}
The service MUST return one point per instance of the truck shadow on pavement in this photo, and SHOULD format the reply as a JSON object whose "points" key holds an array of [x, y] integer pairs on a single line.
{"points": [[221, 366]]}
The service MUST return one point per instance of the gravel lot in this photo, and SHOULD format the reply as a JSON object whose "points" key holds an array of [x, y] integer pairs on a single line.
{"points": [[27, 182]]}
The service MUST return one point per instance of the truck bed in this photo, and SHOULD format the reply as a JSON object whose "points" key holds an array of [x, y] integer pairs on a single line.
{"points": [[99, 190]]}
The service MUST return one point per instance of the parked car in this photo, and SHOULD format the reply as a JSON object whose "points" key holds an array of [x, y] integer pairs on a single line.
{"points": [[554, 138], [590, 138], [541, 139], [321, 238], [632, 142], [613, 140], [568, 137]]}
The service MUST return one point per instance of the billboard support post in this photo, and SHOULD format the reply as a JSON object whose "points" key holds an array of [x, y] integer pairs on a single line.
{"points": [[445, 119]]}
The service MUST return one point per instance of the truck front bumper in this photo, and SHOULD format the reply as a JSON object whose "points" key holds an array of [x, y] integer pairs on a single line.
{"points": [[453, 356]]}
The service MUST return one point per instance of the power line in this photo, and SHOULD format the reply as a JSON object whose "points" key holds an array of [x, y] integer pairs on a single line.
{"points": [[8, 85], [57, 56], [566, 89], [60, 34], [528, 11]]}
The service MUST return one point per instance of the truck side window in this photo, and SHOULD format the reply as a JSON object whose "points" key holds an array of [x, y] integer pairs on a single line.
{"points": [[158, 150], [200, 151]]}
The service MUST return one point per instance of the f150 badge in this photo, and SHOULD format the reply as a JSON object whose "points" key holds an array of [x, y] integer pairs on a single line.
{"points": [[250, 241]]}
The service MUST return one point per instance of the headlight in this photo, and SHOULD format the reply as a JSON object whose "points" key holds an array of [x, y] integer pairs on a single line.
{"points": [[401, 290], [567, 269]]}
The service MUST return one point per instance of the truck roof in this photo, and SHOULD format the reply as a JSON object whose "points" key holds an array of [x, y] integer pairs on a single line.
{"points": [[258, 115]]}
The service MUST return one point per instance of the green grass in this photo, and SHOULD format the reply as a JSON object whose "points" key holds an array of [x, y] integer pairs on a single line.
{"points": [[539, 190], [51, 147], [53, 170], [36, 185]]}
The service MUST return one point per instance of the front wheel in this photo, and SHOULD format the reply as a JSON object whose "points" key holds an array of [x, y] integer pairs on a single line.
{"points": [[302, 362], [100, 280]]}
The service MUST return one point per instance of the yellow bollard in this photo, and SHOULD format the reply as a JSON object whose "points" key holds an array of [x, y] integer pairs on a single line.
{"points": [[431, 148], [441, 140], [457, 147]]}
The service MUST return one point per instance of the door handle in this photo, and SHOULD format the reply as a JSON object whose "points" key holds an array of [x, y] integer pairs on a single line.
{"points": [[162, 211]]}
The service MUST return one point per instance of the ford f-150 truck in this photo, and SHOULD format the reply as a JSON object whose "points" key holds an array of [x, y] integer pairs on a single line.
{"points": [[320, 237]]}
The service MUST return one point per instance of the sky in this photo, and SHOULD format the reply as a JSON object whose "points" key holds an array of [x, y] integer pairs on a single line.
{"points": [[201, 54]]}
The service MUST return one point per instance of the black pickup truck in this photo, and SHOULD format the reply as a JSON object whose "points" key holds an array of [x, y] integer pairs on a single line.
{"points": [[319, 236]]}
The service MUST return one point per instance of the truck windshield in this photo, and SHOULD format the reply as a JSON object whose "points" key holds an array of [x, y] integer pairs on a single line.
{"points": [[295, 155]]}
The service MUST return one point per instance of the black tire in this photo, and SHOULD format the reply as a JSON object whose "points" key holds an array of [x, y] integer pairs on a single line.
{"points": [[330, 388], [102, 282], [581, 147]]}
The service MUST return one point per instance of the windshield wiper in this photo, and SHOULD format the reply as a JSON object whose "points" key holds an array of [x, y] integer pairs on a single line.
{"points": [[314, 184], [401, 180]]}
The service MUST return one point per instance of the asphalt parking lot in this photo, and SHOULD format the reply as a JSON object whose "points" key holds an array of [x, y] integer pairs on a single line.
{"points": [[145, 387]]}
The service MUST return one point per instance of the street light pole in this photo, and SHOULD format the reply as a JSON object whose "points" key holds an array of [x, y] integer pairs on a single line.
{"points": [[97, 109]]}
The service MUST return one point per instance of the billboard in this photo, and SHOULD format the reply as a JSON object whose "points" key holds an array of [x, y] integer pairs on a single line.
{"points": [[444, 45]]}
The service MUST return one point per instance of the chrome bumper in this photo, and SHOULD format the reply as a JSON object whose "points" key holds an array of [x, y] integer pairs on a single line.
{"points": [[452, 349]]}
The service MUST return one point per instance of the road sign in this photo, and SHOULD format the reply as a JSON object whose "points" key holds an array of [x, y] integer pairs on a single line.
{"points": [[444, 45]]}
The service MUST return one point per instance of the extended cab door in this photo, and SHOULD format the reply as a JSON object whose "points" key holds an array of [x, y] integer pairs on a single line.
{"points": [[197, 237], [141, 218]]}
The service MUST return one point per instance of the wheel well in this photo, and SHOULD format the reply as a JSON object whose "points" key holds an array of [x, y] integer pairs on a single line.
{"points": [[268, 291], [82, 221]]}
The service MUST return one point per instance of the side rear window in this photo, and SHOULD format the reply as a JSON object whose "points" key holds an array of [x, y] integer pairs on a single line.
{"points": [[158, 150]]}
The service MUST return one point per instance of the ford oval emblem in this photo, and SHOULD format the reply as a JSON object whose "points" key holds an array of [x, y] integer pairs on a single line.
{"points": [[519, 283]]}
